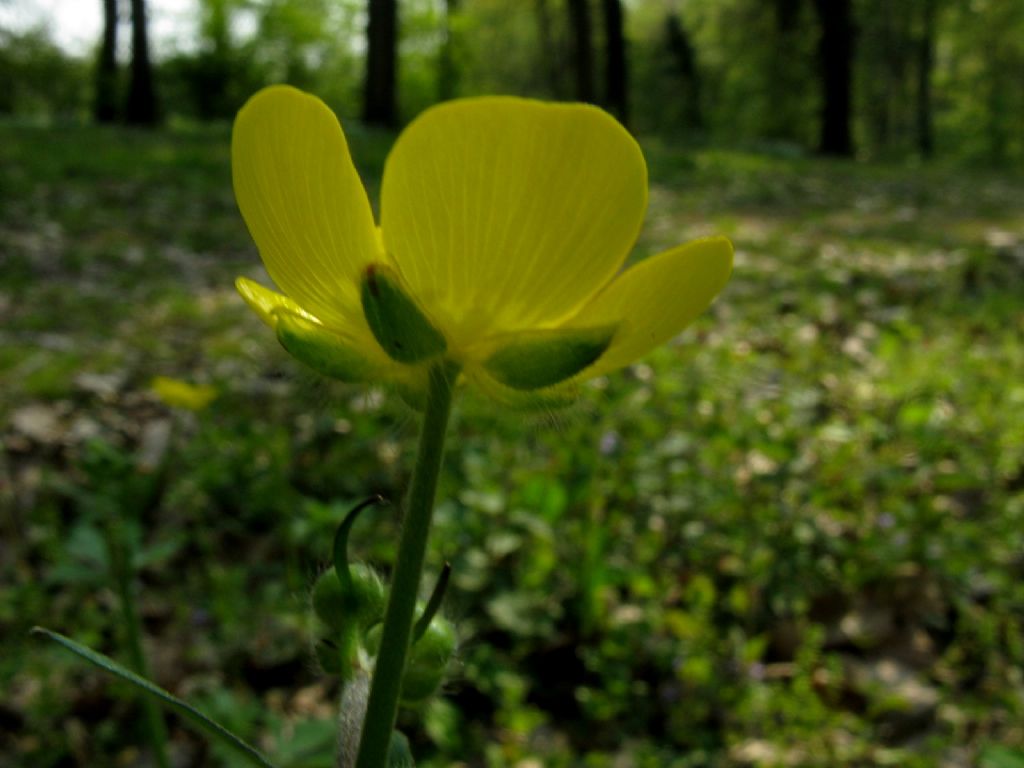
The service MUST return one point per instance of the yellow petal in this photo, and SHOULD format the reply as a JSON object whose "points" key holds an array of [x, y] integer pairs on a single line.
{"points": [[182, 394], [506, 214], [654, 300], [264, 302], [302, 200]]}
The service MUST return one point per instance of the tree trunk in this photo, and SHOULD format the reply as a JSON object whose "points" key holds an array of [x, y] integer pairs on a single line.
{"points": [[615, 73], [447, 69], [582, 48], [925, 61], [835, 51], [551, 51], [884, 87], [105, 106], [141, 107], [685, 61], [784, 73], [787, 12], [379, 98]]}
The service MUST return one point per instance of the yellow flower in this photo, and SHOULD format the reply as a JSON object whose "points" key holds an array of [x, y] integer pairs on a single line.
{"points": [[504, 224], [181, 394]]}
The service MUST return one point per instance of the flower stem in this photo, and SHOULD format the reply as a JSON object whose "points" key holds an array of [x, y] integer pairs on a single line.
{"points": [[386, 688]]}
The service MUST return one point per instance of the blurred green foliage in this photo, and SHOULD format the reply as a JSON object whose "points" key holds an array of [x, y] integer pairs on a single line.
{"points": [[708, 72], [792, 538]]}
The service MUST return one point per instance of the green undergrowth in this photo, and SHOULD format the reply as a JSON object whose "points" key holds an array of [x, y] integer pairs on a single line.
{"points": [[793, 537]]}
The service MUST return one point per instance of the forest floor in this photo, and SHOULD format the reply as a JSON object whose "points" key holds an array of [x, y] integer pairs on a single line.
{"points": [[795, 537]]}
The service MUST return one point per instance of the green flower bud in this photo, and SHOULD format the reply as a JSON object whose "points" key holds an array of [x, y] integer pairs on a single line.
{"points": [[399, 754], [362, 606], [428, 660]]}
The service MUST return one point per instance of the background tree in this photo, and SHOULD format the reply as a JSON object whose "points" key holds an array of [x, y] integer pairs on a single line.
{"points": [[989, 46], [550, 50], [925, 62], [213, 66], [582, 45], [105, 104], [786, 71], [379, 89], [447, 68], [835, 50], [684, 65], [616, 73], [141, 107], [905, 79]]}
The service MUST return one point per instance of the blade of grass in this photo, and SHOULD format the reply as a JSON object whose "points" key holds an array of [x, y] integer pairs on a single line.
{"points": [[169, 700]]}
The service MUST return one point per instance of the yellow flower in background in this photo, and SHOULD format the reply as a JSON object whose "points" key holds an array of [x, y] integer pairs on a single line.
{"points": [[504, 223], [181, 394]]}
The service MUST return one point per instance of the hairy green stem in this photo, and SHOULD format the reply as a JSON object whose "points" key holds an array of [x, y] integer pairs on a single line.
{"points": [[386, 688], [124, 575]]}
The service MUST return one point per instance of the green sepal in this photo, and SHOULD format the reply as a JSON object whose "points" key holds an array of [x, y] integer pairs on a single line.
{"points": [[539, 359], [399, 325], [325, 352]]}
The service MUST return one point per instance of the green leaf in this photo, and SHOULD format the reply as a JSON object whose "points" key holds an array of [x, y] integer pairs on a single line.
{"points": [[398, 324], [169, 700], [307, 744], [544, 358], [998, 756]]}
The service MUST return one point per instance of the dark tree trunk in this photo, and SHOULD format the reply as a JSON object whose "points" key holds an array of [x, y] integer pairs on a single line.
{"points": [[582, 48], [685, 64], [785, 81], [880, 101], [835, 51], [551, 50], [105, 106], [616, 78], [141, 106], [925, 61], [787, 12], [379, 98], [447, 70]]}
